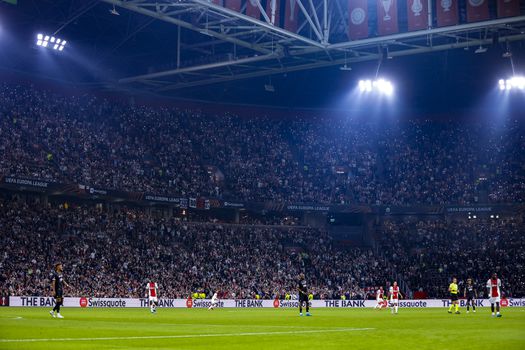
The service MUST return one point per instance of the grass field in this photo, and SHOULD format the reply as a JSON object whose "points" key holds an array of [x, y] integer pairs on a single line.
{"points": [[33, 328]]}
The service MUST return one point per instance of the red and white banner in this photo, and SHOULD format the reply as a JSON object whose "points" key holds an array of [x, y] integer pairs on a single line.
{"points": [[387, 17], [477, 10], [508, 8], [417, 14], [291, 14], [358, 21], [447, 12], [252, 9], [234, 5], [269, 8]]}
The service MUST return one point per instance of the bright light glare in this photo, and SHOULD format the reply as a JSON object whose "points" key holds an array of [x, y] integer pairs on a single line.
{"points": [[382, 86], [45, 41], [515, 82]]}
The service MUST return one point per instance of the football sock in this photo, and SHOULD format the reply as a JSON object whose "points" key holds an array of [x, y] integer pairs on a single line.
{"points": [[457, 307]]}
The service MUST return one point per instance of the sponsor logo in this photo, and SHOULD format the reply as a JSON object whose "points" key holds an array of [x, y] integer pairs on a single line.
{"points": [[308, 207], [516, 302], [95, 191], [83, 302], [162, 199], [189, 303], [199, 303], [288, 303], [476, 3], [107, 303], [276, 303], [357, 16], [245, 303], [33, 183], [504, 302], [234, 205]]}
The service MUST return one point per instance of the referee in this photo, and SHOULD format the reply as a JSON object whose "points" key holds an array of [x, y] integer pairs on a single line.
{"points": [[303, 295], [454, 301]]}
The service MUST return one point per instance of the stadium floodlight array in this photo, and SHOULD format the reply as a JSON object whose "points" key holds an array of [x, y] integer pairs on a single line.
{"points": [[380, 85], [50, 41], [514, 83]]}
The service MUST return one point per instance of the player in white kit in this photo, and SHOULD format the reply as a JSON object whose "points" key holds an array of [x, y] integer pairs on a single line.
{"points": [[394, 297], [214, 301], [152, 294], [379, 299], [493, 286]]}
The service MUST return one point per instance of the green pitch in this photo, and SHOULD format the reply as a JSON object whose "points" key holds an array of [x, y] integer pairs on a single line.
{"points": [[33, 328]]}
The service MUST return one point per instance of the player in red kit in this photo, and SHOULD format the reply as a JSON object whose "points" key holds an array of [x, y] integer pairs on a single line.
{"points": [[493, 286], [395, 294], [152, 294]]}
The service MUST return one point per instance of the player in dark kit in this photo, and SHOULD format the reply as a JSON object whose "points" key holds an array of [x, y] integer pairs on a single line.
{"points": [[303, 295], [57, 289], [470, 294]]}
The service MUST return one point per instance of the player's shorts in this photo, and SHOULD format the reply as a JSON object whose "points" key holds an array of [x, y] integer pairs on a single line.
{"points": [[394, 301], [153, 299], [303, 298], [454, 297], [494, 300], [470, 299]]}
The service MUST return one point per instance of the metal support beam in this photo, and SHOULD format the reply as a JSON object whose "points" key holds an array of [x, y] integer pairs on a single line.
{"points": [[198, 68], [340, 61], [163, 17], [270, 27], [309, 19]]}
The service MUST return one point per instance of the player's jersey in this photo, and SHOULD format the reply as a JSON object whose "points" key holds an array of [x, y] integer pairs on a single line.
{"points": [[57, 279], [453, 288], [394, 292], [214, 298], [379, 295], [469, 291], [152, 289], [494, 287], [302, 287]]}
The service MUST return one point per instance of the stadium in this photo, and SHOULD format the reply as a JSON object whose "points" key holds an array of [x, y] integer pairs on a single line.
{"points": [[266, 174]]}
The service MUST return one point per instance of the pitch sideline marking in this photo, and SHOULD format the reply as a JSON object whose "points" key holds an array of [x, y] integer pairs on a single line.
{"points": [[182, 336]]}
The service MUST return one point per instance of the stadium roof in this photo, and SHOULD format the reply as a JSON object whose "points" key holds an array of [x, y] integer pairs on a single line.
{"points": [[199, 49]]}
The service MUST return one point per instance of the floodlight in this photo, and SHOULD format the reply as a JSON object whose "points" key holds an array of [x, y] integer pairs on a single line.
{"points": [[44, 40], [515, 82], [381, 86]]}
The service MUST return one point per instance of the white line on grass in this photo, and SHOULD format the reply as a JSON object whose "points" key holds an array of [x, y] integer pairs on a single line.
{"points": [[33, 340]]}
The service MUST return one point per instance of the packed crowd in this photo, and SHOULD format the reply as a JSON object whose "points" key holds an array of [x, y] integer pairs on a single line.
{"points": [[427, 254], [91, 141], [114, 254]]}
